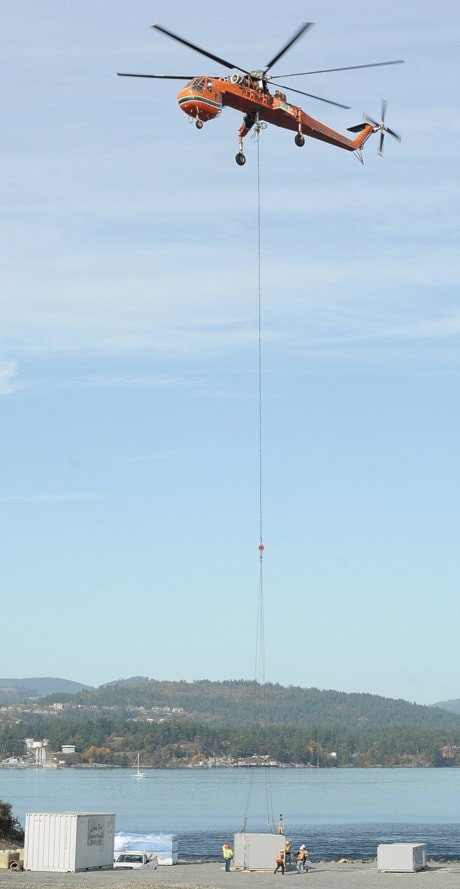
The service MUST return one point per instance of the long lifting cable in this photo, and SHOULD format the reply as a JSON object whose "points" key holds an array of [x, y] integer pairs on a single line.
{"points": [[259, 666]]}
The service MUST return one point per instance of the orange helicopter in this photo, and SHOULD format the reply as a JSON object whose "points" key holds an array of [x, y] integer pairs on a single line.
{"points": [[204, 96]]}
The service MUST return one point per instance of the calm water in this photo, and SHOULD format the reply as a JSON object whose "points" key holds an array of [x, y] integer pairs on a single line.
{"points": [[337, 812]]}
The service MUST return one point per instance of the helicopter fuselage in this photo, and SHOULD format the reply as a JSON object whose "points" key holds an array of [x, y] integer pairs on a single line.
{"points": [[204, 97]]}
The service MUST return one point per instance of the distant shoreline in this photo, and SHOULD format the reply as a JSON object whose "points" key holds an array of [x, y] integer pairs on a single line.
{"points": [[217, 767]]}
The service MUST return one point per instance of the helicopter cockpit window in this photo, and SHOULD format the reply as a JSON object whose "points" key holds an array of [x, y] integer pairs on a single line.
{"points": [[198, 84]]}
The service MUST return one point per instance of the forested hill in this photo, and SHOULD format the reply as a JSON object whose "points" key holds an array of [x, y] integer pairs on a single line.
{"points": [[241, 702], [13, 691], [453, 705]]}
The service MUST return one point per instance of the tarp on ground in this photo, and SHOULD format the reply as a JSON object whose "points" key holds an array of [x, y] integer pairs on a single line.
{"points": [[164, 845]]}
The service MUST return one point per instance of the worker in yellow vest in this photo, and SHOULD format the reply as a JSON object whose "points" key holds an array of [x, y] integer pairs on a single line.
{"points": [[287, 852], [227, 855]]}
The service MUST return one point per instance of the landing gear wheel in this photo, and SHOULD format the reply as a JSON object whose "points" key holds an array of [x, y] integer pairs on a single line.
{"points": [[199, 124], [240, 159], [299, 140]]}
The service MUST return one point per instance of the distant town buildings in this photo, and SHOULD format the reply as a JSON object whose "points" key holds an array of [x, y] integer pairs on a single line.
{"points": [[449, 751]]}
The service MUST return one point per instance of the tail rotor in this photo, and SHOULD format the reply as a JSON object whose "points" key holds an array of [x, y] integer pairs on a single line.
{"points": [[382, 128]]}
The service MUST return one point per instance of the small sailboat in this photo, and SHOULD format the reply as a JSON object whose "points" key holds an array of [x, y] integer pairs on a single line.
{"points": [[138, 773]]}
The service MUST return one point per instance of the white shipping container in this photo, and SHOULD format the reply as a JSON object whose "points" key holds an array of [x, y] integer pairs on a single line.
{"points": [[68, 841], [257, 851], [401, 857]]}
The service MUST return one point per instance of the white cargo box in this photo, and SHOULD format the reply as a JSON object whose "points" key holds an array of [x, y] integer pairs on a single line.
{"points": [[68, 841], [401, 857], [257, 851]]}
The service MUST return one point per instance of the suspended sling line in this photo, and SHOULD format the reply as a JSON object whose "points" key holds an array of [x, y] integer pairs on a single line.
{"points": [[260, 640], [259, 673]]}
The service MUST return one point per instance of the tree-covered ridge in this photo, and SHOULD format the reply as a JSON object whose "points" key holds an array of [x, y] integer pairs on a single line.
{"points": [[183, 742], [242, 701]]}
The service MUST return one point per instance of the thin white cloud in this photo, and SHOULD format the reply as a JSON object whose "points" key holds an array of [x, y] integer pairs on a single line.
{"points": [[405, 295], [139, 381], [8, 373], [150, 458], [47, 497]]}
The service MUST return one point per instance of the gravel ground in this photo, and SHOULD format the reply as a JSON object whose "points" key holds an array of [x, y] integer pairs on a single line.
{"points": [[322, 874]]}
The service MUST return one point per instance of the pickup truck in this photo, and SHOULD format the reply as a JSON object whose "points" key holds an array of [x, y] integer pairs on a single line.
{"points": [[135, 860]]}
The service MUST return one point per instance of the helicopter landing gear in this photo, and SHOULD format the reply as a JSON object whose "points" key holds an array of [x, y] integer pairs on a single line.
{"points": [[299, 140], [199, 124], [240, 159]]}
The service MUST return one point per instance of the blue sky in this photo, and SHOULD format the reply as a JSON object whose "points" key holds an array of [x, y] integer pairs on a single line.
{"points": [[128, 364]]}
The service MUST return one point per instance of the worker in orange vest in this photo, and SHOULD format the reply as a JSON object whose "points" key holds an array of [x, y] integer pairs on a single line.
{"points": [[302, 856], [280, 862]]}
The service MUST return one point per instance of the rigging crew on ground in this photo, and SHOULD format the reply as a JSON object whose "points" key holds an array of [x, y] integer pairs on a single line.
{"points": [[227, 855]]}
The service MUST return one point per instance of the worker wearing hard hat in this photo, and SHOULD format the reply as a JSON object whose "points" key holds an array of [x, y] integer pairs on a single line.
{"points": [[227, 854], [287, 852], [302, 856], [279, 862]]}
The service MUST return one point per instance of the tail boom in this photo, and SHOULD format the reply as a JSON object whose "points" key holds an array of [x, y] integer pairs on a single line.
{"points": [[293, 118]]}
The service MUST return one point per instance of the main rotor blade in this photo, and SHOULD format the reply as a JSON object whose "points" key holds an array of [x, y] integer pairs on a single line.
{"points": [[348, 68], [159, 76], [290, 43], [203, 52], [302, 93]]}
